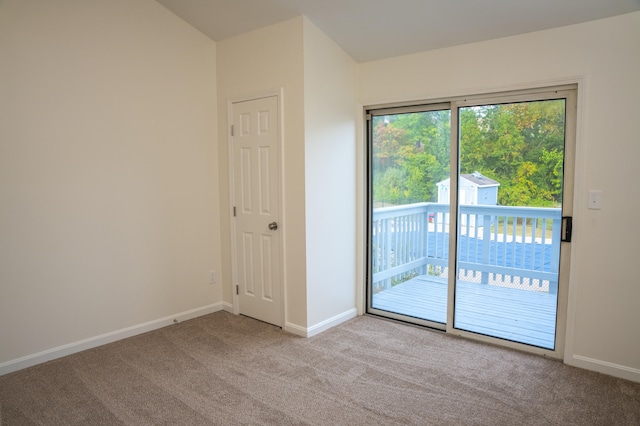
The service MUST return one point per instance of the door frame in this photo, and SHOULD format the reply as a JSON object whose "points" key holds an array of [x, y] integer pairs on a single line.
{"points": [[565, 316], [279, 95]]}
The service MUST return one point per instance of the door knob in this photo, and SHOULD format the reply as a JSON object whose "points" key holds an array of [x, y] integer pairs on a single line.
{"points": [[273, 226]]}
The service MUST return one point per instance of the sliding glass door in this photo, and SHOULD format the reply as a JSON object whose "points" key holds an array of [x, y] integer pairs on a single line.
{"points": [[466, 207], [410, 219], [510, 191]]}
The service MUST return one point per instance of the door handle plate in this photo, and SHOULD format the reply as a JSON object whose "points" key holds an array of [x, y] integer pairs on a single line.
{"points": [[567, 229]]}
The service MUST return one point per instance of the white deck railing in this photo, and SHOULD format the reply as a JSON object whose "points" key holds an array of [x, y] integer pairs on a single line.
{"points": [[508, 246]]}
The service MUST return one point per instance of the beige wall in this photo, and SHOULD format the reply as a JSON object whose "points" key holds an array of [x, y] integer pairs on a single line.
{"points": [[330, 176], [270, 58], [605, 56], [108, 170]]}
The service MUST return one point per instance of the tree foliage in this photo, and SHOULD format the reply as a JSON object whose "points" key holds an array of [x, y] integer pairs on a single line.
{"points": [[410, 155], [520, 145]]}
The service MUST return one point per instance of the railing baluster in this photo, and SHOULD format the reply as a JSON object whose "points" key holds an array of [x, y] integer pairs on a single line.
{"points": [[423, 227], [418, 231], [494, 238], [416, 241], [374, 247], [436, 236], [406, 248], [478, 246], [388, 250], [410, 241], [398, 257], [486, 245], [504, 244], [522, 243], [504, 241], [466, 223], [401, 242], [427, 227], [514, 237], [544, 245], [533, 243]]}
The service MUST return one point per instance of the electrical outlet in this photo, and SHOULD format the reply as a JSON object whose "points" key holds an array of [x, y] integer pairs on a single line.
{"points": [[212, 277]]}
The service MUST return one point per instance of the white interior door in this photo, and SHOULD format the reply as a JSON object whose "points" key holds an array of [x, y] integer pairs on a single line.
{"points": [[256, 198]]}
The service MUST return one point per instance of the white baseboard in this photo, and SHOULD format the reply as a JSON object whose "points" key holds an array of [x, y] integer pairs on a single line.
{"points": [[227, 307], [295, 329], [331, 322], [605, 367], [92, 342], [322, 326]]}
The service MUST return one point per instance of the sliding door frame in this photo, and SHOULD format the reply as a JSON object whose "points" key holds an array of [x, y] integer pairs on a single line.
{"points": [[569, 92]]}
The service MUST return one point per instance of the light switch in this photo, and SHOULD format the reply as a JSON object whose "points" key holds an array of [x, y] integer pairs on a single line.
{"points": [[595, 200]]}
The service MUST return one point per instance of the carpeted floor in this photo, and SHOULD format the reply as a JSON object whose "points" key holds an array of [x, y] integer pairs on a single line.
{"points": [[225, 369]]}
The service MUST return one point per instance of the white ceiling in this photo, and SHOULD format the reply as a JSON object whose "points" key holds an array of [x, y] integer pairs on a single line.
{"points": [[375, 29]]}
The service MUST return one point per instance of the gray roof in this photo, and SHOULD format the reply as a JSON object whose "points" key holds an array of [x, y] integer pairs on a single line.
{"points": [[480, 179]]}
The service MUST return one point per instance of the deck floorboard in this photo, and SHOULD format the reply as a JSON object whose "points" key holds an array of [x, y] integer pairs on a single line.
{"points": [[513, 314]]}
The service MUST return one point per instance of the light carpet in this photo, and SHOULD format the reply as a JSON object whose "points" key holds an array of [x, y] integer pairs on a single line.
{"points": [[225, 369]]}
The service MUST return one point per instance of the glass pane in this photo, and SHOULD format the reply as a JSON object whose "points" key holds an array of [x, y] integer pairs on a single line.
{"points": [[410, 218], [509, 217]]}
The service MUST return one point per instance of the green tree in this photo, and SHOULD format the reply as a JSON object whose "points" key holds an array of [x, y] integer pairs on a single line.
{"points": [[520, 145], [392, 188], [387, 141], [549, 174], [423, 170], [420, 149]]}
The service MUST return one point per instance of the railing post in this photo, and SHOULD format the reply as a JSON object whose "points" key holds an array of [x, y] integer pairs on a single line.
{"points": [[486, 244], [374, 249], [423, 236], [387, 262]]}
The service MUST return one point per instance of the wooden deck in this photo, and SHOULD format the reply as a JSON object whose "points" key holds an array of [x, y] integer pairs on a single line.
{"points": [[512, 314]]}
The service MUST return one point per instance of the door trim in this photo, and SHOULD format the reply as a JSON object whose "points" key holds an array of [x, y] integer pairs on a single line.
{"points": [[279, 95]]}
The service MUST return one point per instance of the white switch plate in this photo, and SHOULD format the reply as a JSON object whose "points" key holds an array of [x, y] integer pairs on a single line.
{"points": [[595, 200], [212, 277]]}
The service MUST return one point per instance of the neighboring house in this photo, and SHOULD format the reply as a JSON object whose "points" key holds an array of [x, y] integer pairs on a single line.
{"points": [[474, 188]]}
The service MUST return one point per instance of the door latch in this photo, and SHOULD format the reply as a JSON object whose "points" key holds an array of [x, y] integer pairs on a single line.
{"points": [[567, 229]]}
